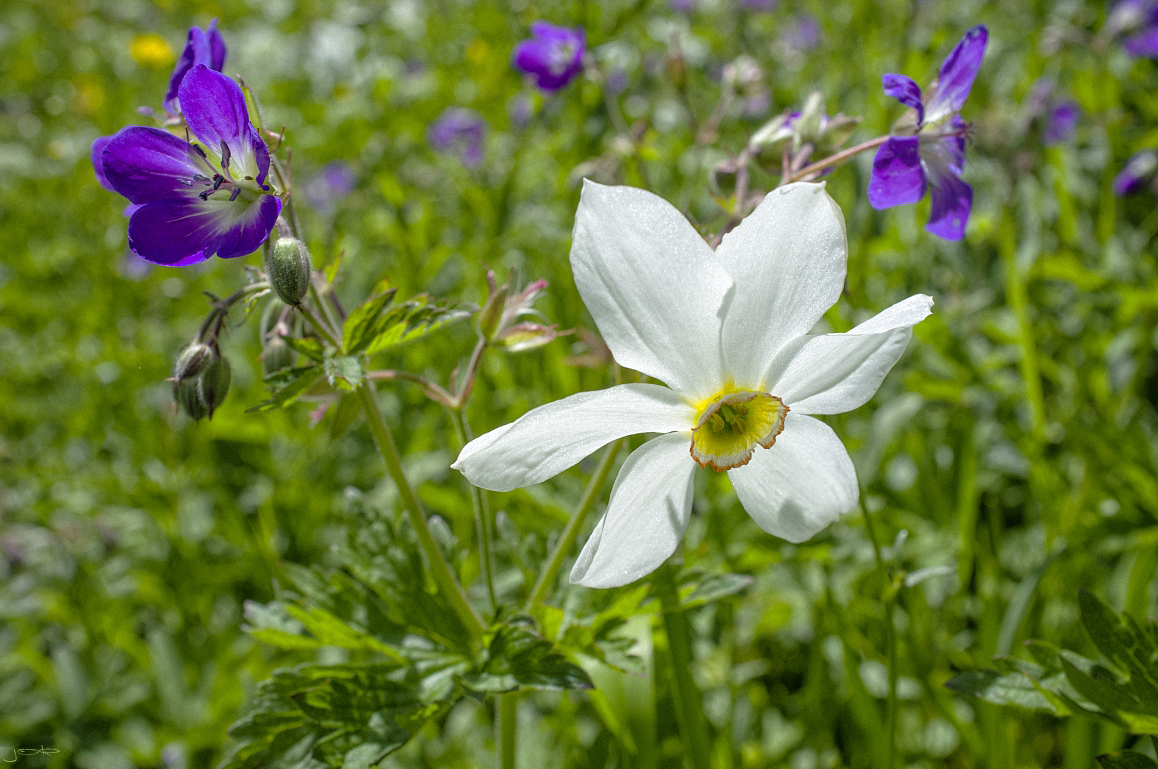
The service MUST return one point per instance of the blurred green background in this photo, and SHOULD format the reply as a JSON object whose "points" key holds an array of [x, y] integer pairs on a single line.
{"points": [[1015, 443]]}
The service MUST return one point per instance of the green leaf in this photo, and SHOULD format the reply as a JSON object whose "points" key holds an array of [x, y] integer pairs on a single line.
{"points": [[1127, 759], [297, 382], [1004, 689], [377, 325], [358, 331], [344, 371], [517, 656], [715, 587], [310, 347], [344, 415]]}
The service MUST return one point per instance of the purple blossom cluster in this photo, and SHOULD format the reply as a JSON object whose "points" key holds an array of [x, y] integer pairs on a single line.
{"points": [[927, 147]]}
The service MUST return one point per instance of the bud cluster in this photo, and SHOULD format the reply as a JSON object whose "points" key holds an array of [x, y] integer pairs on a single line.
{"points": [[201, 379]]}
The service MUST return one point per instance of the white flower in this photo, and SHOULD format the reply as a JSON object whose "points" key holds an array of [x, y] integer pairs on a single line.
{"points": [[727, 332]]}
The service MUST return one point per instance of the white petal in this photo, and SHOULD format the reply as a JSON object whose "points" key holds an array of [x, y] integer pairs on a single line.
{"points": [[547, 440], [646, 518], [788, 260], [652, 284], [833, 373], [801, 484]]}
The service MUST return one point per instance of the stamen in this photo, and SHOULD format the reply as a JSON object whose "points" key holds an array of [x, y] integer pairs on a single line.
{"points": [[233, 195], [739, 422], [224, 156]]}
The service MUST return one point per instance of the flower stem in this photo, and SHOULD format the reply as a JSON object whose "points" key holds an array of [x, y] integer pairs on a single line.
{"points": [[507, 729], [566, 541], [889, 600], [833, 160], [688, 700], [447, 583], [1018, 300], [482, 516], [320, 326]]}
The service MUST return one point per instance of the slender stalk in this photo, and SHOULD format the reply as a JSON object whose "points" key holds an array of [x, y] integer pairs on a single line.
{"points": [[461, 396], [833, 160], [443, 576], [482, 517], [1018, 299], [507, 729], [221, 307], [688, 700], [320, 326], [547, 576], [889, 599]]}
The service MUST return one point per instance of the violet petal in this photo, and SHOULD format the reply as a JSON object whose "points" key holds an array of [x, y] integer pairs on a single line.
{"points": [[183, 231], [215, 110], [1145, 43], [905, 90], [897, 177], [952, 201], [217, 50], [958, 72], [147, 164], [98, 148]]}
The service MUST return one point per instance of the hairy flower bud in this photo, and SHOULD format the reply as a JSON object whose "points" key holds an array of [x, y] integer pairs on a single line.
{"points": [[491, 316], [192, 360], [276, 355], [200, 395], [289, 269]]}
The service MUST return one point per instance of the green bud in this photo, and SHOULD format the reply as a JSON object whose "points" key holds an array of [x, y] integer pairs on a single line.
{"points": [[213, 384], [491, 314], [276, 355], [192, 360], [188, 397], [200, 396], [289, 269]]}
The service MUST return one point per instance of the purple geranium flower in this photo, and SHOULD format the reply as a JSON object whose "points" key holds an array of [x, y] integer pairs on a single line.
{"points": [[554, 55], [1138, 21], [461, 129], [1061, 123], [1140, 172], [928, 147], [194, 199], [203, 47]]}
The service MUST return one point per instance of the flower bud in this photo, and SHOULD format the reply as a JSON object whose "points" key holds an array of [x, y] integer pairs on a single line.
{"points": [[289, 269], [491, 315], [200, 396], [192, 360], [276, 355], [213, 384]]}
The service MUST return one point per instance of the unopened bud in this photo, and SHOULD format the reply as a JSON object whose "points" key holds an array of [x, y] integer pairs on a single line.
{"points": [[289, 269], [491, 315], [192, 360], [276, 355], [200, 396]]}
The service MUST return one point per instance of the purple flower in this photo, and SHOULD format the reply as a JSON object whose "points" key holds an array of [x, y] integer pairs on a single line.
{"points": [[461, 130], [335, 181], [203, 47], [1138, 20], [928, 149], [554, 55], [1140, 171], [194, 199], [1061, 122]]}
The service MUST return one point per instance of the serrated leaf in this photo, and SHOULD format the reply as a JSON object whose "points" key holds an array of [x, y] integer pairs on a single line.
{"points": [[379, 327], [1127, 759], [344, 371], [715, 587], [1003, 689], [310, 347], [359, 329], [300, 381]]}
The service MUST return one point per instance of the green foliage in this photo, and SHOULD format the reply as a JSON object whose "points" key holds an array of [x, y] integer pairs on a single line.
{"points": [[1065, 683]]}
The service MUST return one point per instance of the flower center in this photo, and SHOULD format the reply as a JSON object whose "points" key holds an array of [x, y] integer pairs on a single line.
{"points": [[732, 425], [560, 57]]}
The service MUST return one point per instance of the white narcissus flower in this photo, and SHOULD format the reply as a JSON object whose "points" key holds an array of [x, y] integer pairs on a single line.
{"points": [[728, 333]]}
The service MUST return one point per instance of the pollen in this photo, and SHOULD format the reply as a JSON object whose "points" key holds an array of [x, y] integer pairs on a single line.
{"points": [[732, 425]]}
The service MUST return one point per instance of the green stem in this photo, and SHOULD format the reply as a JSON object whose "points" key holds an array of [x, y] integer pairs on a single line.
{"points": [[566, 541], [1018, 299], [507, 729], [320, 326], [482, 517], [688, 700], [443, 576], [836, 159], [889, 600]]}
